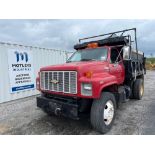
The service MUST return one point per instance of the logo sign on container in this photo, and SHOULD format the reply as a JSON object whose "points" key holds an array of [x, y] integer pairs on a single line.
{"points": [[21, 70]]}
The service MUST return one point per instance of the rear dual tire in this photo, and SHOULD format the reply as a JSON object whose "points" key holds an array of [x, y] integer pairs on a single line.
{"points": [[138, 89], [103, 112]]}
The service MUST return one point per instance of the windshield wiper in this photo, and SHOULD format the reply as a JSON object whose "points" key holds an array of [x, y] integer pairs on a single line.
{"points": [[68, 61], [88, 60]]}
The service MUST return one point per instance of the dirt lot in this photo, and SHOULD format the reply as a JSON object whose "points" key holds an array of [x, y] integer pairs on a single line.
{"points": [[134, 117]]}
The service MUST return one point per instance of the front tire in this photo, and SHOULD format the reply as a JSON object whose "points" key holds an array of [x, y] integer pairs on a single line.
{"points": [[103, 112]]}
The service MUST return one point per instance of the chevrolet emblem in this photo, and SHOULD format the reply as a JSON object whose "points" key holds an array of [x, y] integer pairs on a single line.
{"points": [[54, 81]]}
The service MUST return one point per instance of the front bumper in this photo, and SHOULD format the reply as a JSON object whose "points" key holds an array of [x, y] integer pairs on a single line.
{"points": [[59, 107]]}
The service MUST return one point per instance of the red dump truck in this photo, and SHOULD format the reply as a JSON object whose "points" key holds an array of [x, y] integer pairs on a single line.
{"points": [[95, 80]]}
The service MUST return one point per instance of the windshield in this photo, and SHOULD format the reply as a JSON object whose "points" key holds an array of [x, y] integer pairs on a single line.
{"points": [[89, 55]]}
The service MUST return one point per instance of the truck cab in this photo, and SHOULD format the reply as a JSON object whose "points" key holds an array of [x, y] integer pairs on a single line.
{"points": [[99, 76]]}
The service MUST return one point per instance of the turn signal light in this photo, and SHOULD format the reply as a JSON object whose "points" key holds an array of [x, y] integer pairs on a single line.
{"points": [[88, 74], [92, 45]]}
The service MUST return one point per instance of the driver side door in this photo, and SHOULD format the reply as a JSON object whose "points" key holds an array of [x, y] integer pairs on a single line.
{"points": [[116, 65]]}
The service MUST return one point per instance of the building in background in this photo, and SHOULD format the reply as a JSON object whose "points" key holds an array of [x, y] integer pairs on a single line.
{"points": [[19, 66]]}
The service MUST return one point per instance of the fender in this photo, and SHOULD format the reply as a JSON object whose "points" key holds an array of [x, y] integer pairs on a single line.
{"points": [[107, 85], [105, 82], [99, 82]]}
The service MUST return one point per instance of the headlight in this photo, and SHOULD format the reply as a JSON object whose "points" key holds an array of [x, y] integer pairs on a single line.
{"points": [[86, 89], [87, 86]]}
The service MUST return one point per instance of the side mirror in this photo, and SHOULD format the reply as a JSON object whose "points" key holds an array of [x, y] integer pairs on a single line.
{"points": [[126, 53]]}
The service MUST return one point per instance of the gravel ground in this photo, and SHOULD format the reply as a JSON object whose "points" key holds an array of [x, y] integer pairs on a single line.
{"points": [[22, 117]]}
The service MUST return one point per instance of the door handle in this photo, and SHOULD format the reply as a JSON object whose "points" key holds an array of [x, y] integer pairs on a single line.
{"points": [[115, 65]]}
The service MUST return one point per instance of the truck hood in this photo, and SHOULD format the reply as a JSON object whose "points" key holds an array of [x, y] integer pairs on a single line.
{"points": [[81, 67]]}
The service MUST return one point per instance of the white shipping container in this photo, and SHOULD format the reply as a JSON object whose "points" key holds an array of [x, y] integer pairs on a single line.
{"points": [[41, 57]]}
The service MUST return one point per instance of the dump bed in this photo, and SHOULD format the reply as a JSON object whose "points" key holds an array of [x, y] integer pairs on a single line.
{"points": [[137, 55]]}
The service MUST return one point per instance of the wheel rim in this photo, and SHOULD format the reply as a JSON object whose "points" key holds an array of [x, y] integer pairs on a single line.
{"points": [[108, 112], [141, 90]]}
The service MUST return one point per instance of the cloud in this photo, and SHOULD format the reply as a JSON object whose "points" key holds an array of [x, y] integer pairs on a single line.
{"points": [[63, 34]]}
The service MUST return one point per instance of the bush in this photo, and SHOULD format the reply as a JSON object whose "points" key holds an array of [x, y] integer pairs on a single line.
{"points": [[150, 63]]}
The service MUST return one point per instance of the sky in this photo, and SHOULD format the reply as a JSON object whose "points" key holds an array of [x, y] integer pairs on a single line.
{"points": [[64, 34]]}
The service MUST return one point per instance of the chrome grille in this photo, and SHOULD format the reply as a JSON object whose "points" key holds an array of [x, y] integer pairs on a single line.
{"points": [[59, 81], [66, 82]]}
